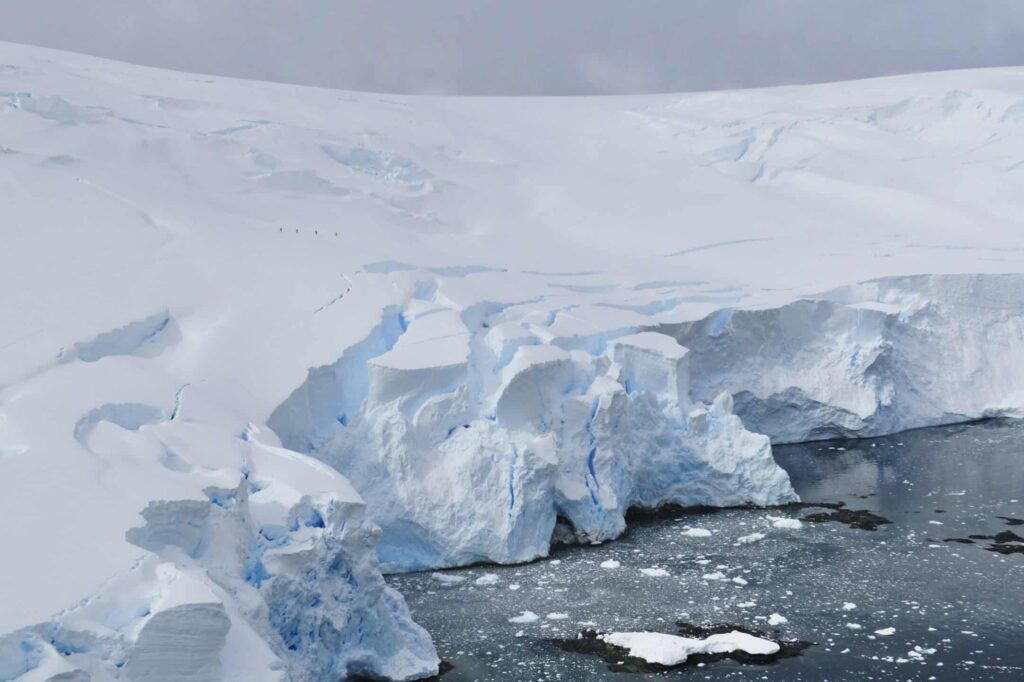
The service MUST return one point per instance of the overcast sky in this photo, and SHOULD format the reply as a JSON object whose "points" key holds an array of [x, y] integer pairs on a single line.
{"points": [[531, 46]]}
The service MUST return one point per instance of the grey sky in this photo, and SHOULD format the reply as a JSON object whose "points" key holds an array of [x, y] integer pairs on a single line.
{"points": [[531, 46]]}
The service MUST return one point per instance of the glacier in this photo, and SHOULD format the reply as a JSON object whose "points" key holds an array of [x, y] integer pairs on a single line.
{"points": [[263, 343], [874, 358], [528, 432]]}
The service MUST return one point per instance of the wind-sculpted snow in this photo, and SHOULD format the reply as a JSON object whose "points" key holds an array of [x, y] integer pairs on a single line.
{"points": [[869, 359], [500, 319]]}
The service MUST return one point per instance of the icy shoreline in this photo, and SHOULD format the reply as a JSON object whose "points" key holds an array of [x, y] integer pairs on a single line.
{"points": [[568, 421], [829, 572], [540, 432]]}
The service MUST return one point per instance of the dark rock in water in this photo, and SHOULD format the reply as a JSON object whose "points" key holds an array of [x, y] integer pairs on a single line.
{"points": [[671, 510], [618, 659], [1000, 537], [1007, 536], [564, 535], [444, 668], [1007, 542], [814, 505], [1003, 542], [854, 518], [1011, 548], [1010, 521], [962, 541]]}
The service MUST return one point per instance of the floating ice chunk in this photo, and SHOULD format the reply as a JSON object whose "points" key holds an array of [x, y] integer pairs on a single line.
{"points": [[717, 575], [662, 649], [747, 604], [739, 580], [654, 572], [885, 632], [697, 533], [557, 616], [785, 522], [448, 578], [854, 626], [747, 539], [524, 618], [777, 619], [919, 652], [849, 606], [610, 563], [487, 579]]}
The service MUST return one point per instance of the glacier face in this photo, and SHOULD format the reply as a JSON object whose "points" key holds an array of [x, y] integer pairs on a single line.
{"points": [[488, 313], [474, 436], [531, 427], [873, 358]]}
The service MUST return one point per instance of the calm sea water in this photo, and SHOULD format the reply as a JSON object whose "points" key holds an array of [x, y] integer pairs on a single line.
{"points": [[955, 610]]}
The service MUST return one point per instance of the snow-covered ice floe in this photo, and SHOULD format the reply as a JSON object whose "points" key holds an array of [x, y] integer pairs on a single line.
{"points": [[672, 650], [258, 341]]}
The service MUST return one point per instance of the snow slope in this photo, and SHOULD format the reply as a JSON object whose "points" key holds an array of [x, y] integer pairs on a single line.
{"points": [[483, 314]]}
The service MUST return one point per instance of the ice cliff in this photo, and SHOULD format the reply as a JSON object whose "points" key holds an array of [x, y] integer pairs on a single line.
{"points": [[869, 359], [472, 436], [477, 430]]}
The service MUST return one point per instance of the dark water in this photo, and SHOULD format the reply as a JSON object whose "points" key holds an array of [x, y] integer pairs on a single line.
{"points": [[960, 604]]}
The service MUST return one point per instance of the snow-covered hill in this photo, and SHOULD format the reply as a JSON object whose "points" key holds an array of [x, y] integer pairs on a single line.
{"points": [[482, 314]]}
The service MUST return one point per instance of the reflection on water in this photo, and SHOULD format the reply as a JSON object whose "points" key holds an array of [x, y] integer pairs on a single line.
{"points": [[954, 609]]}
